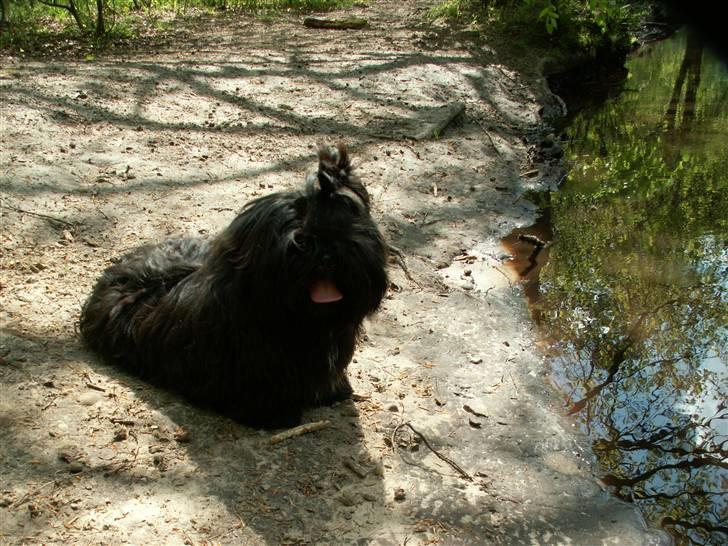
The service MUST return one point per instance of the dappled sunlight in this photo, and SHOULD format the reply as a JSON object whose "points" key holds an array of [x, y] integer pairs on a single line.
{"points": [[450, 435]]}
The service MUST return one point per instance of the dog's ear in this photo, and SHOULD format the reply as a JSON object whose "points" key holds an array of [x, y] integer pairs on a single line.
{"points": [[334, 167]]}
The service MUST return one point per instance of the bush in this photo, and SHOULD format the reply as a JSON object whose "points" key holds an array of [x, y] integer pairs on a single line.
{"points": [[591, 26]]}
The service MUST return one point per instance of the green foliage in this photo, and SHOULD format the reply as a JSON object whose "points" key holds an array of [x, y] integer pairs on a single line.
{"points": [[31, 23], [581, 25], [456, 10], [292, 5]]}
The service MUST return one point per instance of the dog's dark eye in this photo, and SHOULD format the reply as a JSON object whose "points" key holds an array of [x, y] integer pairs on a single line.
{"points": [[299, 240]]}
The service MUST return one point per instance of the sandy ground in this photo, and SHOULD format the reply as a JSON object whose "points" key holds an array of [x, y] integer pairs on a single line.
{"points": [[100, 156]]}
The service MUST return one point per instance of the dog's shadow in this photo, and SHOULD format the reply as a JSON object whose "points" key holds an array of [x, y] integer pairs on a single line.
{"points": [[324, 486]]}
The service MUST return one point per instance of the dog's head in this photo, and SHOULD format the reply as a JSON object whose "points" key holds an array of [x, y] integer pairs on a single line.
{"points": [[316, 252], [337, 245]]}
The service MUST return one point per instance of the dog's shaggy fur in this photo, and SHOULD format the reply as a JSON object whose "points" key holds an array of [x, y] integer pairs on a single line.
{"points": [[261, 321]]}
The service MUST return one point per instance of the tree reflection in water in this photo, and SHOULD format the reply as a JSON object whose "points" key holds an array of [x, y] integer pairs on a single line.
{"points": [[634, 293]]}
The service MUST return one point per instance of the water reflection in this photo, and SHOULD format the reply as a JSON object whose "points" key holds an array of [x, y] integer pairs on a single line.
{"points": [[634, 293]]}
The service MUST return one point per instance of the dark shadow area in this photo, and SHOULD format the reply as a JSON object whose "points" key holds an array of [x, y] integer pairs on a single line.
{"points": [[134, 437]]}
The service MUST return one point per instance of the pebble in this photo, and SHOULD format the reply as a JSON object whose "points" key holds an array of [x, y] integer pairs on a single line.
{"points": [[348, 498], [181, 435], [89, 398]]}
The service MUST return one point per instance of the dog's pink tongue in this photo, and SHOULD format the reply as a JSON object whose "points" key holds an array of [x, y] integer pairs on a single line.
{"points": [[324, 291]]}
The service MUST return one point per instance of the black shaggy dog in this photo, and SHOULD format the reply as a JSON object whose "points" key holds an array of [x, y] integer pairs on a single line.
{"points": [[261, 321]]}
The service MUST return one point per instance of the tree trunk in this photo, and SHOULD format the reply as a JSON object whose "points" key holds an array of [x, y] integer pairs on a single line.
{"points": [[74, 12], [689, 70], [693, 50], [5, 17], [100, 22]]}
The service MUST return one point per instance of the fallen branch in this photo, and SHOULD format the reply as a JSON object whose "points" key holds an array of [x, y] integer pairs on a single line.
{"points": [[335, 24], [299, 430], [439, 455], [444, 116]]}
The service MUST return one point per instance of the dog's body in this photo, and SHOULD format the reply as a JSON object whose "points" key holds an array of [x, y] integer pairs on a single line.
{"points": [[260, 322]]}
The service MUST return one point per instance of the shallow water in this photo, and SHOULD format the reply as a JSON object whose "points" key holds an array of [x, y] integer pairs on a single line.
{"points": [[634, 295]]}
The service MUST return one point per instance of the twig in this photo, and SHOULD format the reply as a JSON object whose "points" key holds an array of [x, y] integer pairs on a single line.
{"points": [[397, 253], [38, 215], [439, 455], [188, 539], [51, 402], [37, 490], [499, 270], [299, 430], [515, 386], [122, 421], [490, 137], [492, 142]]}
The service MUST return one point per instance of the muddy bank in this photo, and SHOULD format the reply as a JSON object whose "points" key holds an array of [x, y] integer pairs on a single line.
{"points": [[101, 156]]}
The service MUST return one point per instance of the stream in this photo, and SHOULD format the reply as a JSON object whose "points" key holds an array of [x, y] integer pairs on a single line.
{"points": [[632, 300]]}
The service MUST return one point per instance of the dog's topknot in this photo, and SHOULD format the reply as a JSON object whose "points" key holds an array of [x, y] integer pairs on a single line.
{"points": [[335, 172], [334, 167]]}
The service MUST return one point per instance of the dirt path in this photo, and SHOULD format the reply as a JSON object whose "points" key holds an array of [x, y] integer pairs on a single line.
{"points": [[100, 156]]}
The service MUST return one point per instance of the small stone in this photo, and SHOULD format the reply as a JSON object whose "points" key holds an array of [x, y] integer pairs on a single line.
{"points": [[181, 435], [348, 498], [89, 398], [393, 407], [75, 467]]}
